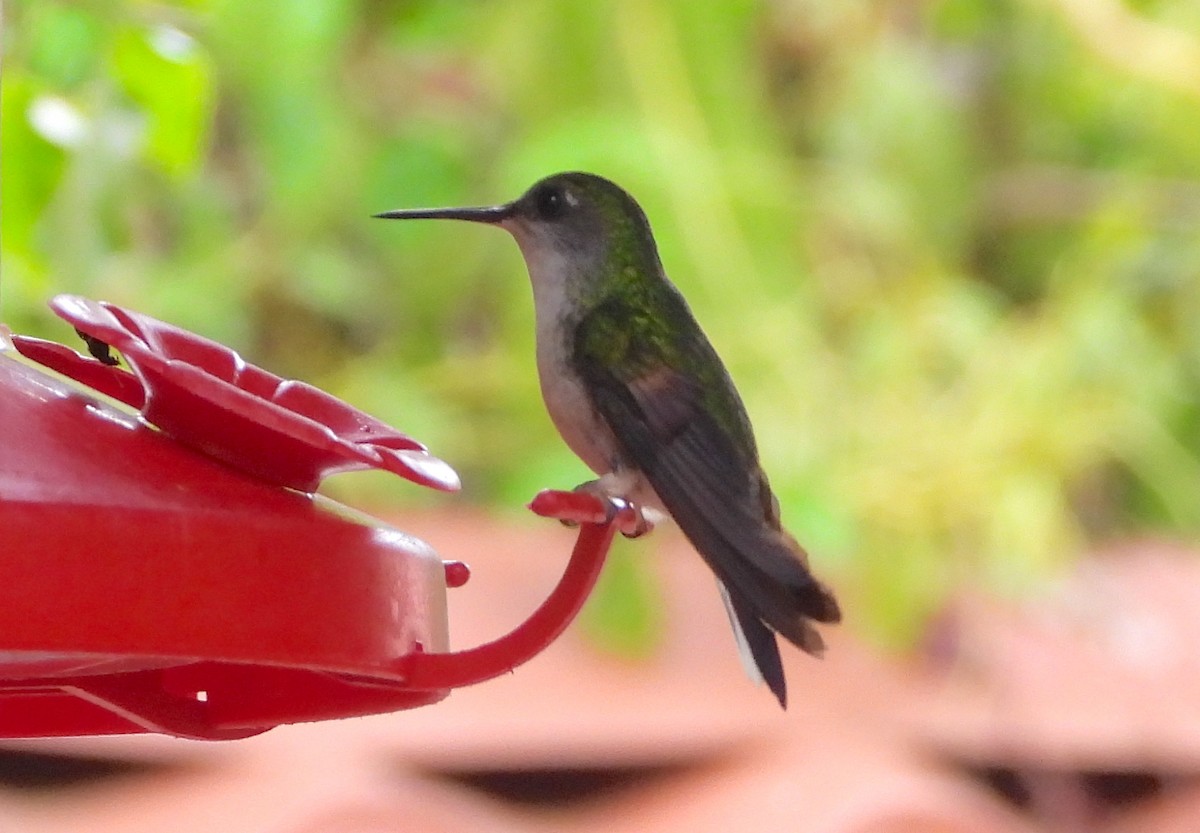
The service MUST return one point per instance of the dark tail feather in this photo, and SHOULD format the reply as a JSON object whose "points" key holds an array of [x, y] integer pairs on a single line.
{"points": [[787, 611], [763, 648]]}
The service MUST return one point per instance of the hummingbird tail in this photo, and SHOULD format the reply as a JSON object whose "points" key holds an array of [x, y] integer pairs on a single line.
{"points": [[810, 602], [756, 644]]}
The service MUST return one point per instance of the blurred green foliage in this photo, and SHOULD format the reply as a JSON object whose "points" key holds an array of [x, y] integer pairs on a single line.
{"points": [[949, 250]]}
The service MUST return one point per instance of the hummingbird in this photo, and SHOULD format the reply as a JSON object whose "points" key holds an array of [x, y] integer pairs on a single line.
{"points": [[640, 395]]}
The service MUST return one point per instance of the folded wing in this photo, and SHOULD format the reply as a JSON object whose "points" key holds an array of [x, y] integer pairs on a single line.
{"points": [[678, 419]]}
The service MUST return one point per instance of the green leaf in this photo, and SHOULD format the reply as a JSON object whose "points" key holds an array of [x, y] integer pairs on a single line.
{"points": [[30, 167], [168, 76], [64, 43]]}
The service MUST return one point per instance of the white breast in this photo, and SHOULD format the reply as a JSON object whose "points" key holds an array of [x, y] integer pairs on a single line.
{"points": [[571, 411], [565, 397]]}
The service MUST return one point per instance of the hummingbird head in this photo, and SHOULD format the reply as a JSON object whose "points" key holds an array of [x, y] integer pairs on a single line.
{"points": [[570, 227]]}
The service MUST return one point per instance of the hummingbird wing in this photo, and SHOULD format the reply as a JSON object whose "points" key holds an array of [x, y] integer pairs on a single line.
{"points": [[666, 396]]}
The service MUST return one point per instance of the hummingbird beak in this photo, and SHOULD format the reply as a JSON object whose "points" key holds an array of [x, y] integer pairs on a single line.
{"points": [[493, 215]]}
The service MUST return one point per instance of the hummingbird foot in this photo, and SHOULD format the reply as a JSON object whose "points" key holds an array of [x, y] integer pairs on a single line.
{"points": [[643, 521], [632, 519]]}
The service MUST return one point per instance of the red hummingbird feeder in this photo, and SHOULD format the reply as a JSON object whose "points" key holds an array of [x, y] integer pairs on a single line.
{"points": [[171, 569]]}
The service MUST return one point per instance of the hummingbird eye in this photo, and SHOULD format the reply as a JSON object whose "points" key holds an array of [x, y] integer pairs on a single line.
{"points": [[552, 202]]}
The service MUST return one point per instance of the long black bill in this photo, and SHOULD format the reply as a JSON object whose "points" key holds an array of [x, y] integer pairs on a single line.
{"points": [[490, 214]]}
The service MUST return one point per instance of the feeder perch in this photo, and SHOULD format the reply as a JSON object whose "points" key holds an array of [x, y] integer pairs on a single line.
{"points": [[170, 569]]}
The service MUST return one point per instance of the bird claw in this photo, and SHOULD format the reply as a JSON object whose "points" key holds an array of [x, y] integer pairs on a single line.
{"points": [[641, 524], [630, 519]]}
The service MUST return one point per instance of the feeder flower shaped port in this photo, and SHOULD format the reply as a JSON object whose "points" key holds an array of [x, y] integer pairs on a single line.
{"points": [[205, 396]]}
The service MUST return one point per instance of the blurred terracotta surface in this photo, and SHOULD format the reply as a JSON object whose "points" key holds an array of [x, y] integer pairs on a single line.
{"points": [[1178, 811], [578, 740], [1101, 672]]}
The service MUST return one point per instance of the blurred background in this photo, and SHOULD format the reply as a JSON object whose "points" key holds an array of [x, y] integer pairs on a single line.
{"points": [[949, 251]]}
